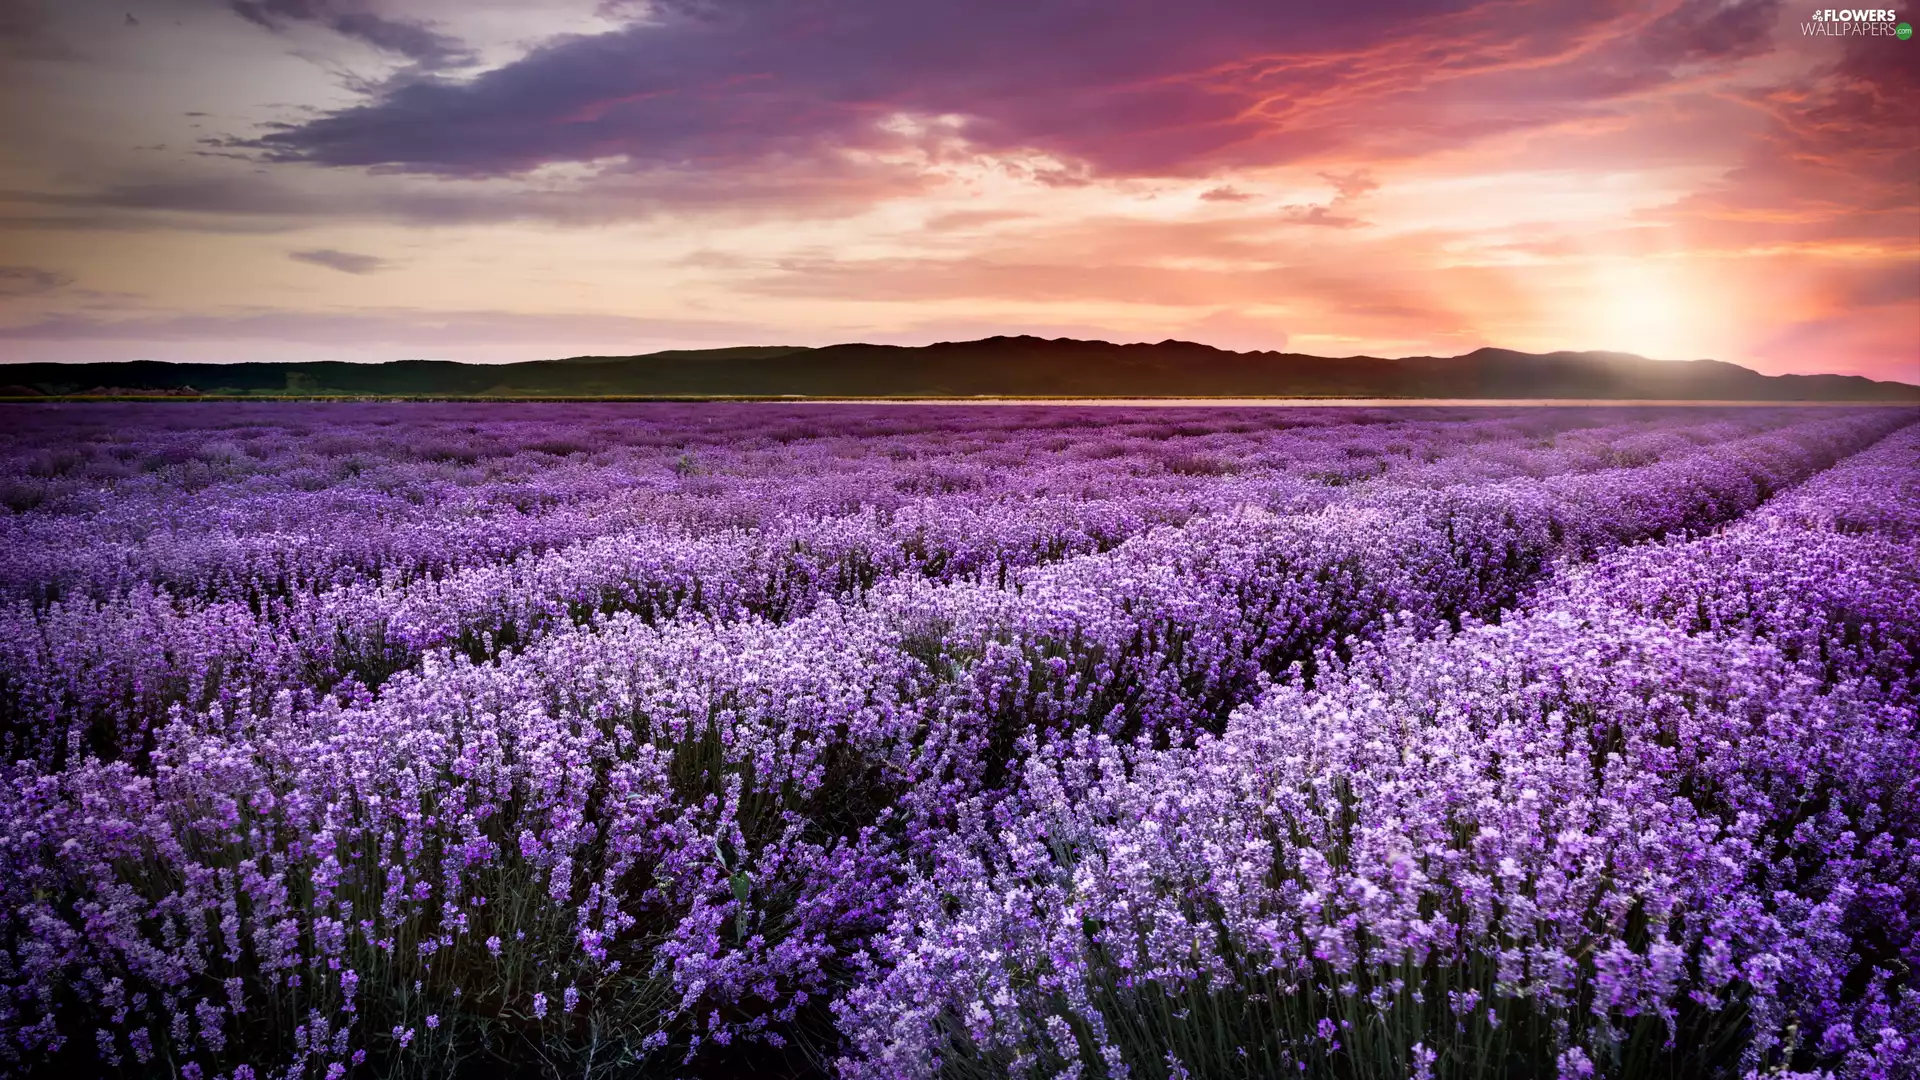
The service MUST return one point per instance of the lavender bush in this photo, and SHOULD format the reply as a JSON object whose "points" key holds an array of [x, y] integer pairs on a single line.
{"points": [[1663, 819], [384, 740]]}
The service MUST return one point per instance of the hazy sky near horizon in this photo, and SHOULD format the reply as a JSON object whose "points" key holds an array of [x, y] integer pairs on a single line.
{"points": [[498, 180]]}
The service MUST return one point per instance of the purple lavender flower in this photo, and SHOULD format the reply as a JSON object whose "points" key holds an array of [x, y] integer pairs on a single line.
{"points": [[988, 731]]}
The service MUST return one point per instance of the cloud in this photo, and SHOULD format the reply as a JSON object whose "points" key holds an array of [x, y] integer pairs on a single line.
{"points": [[1835, 163], [1106, 88], [253, 202], [19, 281], [1333, 290], [346, 262], [1714, 30], [27, 32], [1352, 184], [827, 106], [1224, 193], [959, 220], [533, 334], [1348, 188], [416, 41], [1316, 214]]}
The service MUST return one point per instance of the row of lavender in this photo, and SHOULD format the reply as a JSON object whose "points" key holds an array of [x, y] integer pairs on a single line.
{"points": [[96, 669], [1667, 819], [636, 837], [247, 504]]}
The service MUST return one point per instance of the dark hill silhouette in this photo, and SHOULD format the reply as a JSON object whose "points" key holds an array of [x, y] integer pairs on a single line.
{"points": [[995, 366]]}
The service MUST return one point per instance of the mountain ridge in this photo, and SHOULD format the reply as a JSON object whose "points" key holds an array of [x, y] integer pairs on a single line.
{"points": [[999, 366]]}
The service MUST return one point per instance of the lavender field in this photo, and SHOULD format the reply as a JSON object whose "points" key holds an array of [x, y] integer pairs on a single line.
{"points": [[408, 740]]}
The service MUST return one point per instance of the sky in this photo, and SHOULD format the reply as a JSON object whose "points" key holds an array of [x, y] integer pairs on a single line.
{"points": [[498, 180]]}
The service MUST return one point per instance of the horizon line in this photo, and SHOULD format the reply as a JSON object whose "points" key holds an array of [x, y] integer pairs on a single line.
{"points": [[5, 363]]}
